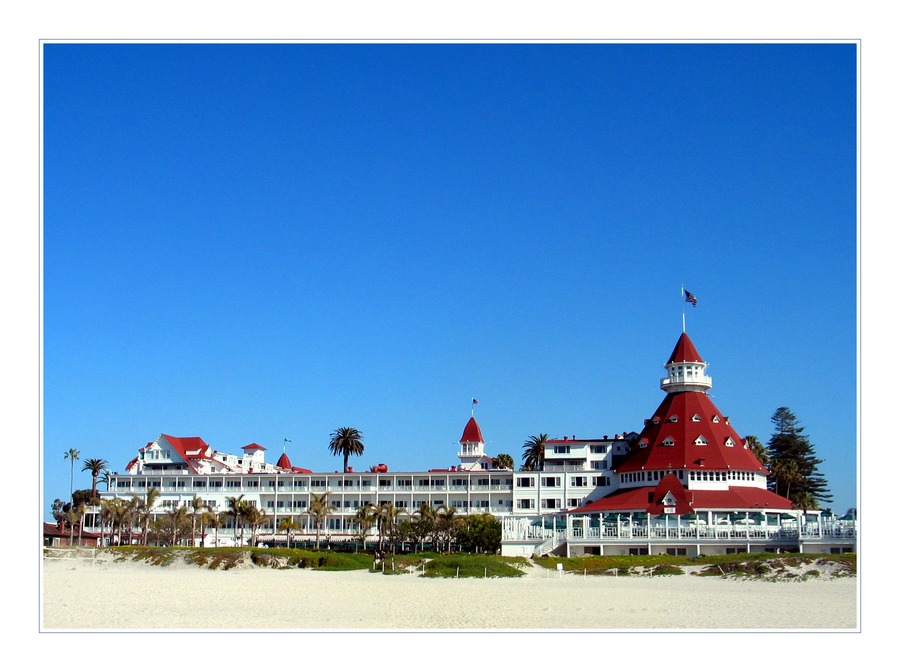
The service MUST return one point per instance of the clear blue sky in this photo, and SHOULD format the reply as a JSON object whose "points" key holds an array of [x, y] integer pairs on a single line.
{"points": [[251, 242]]}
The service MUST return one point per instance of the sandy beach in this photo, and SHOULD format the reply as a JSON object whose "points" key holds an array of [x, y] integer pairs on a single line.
{"points": [[81, 595]]}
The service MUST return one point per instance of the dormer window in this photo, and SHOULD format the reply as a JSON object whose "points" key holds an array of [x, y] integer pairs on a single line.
{"points": [[729, 442], [673, 418], [668, 441], [700, 441], [715, 418], [696, 418], [655, 419]]}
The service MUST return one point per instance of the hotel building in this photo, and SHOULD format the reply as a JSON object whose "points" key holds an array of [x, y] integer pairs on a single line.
{"points": [[687, 484]]}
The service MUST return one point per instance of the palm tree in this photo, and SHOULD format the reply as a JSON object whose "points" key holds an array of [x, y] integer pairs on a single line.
{"points": [[364, 519], [757, 448], [207, 518], [786, 474], [236, 508], [177, 516], [504, 461], [72, 455], [533, 457], [445, 525], [73, 517], [197, 505], [289, 525], [346, 441], [144, 512], [319, 508], [254, 517], [386, 519], [96, 466], [221, 521], [426, 517]]}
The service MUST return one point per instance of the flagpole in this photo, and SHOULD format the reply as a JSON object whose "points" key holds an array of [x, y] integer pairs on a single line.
{"points": [[683, 323]]}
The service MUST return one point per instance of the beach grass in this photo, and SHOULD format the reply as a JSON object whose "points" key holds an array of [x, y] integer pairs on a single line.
{"points": [[736, 565]]}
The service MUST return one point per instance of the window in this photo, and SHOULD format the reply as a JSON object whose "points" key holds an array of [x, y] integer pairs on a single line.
{"points": [[673, 418], [599, 480], [696, 418], [525, 482], [700, 441], [572, 503], [562, 450], [716, 419], [525, 503], [596, 448], [551, 503], [668, 441], [676, 551], [579, 481], [729, 442], [551, 481]]}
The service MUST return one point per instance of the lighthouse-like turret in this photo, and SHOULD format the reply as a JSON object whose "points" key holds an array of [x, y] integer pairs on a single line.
{"points": [[686, 369], [471, 448]]}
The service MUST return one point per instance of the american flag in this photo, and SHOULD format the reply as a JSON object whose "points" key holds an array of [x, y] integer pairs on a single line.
{"points": [[474, 401], [690, 298]]}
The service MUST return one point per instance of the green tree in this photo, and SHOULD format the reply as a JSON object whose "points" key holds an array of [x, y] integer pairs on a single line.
{"points": [[207, 519], [365, 518], [790, 449], [318, 510], [288, 526], [758, 449], [346, 441], [237, 506], [535, 448], [254, 517], [96, 466], [424, 522], [480, 533], [145, 512], [446, 525], [504, 461], [177, 517], [197, 505]]}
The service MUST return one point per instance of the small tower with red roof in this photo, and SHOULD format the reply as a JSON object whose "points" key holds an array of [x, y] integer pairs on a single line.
{"points": [[471, 448]]}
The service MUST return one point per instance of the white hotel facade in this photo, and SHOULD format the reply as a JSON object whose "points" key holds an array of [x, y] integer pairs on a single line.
{"points": [[685, 485]]}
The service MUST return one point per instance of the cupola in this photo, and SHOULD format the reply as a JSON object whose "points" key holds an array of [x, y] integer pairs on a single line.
{"points": [[686, 369]]}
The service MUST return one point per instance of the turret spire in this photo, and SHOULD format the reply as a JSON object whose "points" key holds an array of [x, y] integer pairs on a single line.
{"points": [[686, 369]]}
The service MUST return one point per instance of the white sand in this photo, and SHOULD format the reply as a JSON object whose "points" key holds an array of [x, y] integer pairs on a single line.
{"points": [[131, 596]]}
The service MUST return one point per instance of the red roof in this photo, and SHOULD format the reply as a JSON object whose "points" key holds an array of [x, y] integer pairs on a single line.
{"points": [[649, 499], [190, 448], [687, 431], [685, 351], [283, 462], [253, 446], [472, 432]]}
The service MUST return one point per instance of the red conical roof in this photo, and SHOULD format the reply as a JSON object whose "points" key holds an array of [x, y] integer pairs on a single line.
{"points": [[687, 431], [283, 462], [685, 351], [472, 432]]}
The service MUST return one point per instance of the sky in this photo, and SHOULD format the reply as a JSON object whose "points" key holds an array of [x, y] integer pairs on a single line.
{"points": [[252, 242]]}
